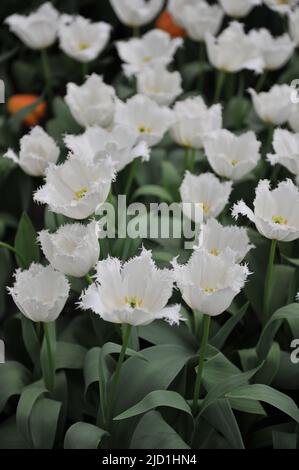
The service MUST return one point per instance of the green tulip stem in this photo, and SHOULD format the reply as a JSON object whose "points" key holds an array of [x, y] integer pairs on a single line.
{"points": [[268, 282], [202, 355], [50, 378], [126, 337]]}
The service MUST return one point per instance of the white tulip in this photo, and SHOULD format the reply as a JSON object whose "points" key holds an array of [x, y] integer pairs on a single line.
{"points": [[217, 239], [276, 212], [136, 12], [37, 150], [294, 25], [237, 8], [37, 30], [193, 120], [232, 156], [93, 103], [120, 144], [81, 39], [159, 84], [156, 46], [209, 283], [73, 249], [134, 293], [196, 17], [146, 117], [76, 188], [286, 147], [273, 107], [208, 195], [234, 50], [275, 51], [281, 6], [40, 292]]}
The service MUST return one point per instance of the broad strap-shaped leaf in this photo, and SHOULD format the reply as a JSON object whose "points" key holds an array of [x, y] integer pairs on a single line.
{"points": [[69, 355], [223, 388], [268, 395], [84, 436], [154, 400], [272, 326], [222, 418], [13, 378], [44, 419], [26, 244], [221, 336], [27, 401], [152, 432]]}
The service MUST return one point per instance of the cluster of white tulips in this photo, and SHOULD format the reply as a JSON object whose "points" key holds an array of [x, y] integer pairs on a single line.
{"points": [[115, 133]]}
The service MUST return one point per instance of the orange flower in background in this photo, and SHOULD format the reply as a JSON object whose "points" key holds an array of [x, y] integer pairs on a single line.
{"points": [[167, 23], [17, 102]]}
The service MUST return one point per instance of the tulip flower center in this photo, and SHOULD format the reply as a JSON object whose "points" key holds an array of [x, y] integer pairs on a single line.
{"points": [[81, 193], [83, 46], [144, 130], [214, 252], [147, 58], [283, 2], [234, 162], [205, 208], [134, 302], [278, 219], [209, 290]]}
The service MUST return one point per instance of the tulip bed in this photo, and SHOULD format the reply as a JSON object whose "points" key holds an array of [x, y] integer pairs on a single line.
{"points": [[142, 343]]}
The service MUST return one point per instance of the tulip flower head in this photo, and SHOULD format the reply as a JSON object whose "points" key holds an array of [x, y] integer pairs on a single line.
{"points": [[232, 156], [37, 150], [276, 212], [93, 103], [37, 30], [158, 84], [120, 144], [73, 249], [81, 39], [234, 50], [136, 12], [273, 107], [286, 147], [145, 117], [209, 283], [156, 46], [237, 8], [206, 193], [217, 239], [196, 17], [275, 51], [193, 120], [76, 188], [135, 293], [40, 292]]}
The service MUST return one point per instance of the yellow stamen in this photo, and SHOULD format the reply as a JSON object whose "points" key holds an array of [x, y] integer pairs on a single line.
{"points": [[234, 162], [144, 130], [147, 58], [133, 302], [205, 208], [209, 290], [83, 46], [278, 219], [81, 193], [214, 252]]}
